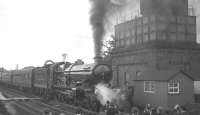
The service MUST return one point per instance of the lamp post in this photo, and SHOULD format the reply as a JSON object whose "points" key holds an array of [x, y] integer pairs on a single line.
{"points": [[17, 67]]}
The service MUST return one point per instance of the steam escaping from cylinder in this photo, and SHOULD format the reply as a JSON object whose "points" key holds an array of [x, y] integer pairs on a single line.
{"points": [[99, 19], [10, 108], [104, 94]]}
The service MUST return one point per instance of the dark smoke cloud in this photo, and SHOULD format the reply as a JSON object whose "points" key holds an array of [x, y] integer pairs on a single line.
{"points": [[101, 9], [97, 20]]}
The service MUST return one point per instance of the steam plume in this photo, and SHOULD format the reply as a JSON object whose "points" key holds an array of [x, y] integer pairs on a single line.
{"points": [[100, 12], [105, 94]]}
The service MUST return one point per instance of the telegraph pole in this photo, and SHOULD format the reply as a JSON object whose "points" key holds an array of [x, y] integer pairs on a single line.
{"points": [[64, 55]]}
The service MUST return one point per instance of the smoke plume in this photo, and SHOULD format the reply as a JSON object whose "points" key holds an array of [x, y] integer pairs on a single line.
{"points": [[99, 19]]}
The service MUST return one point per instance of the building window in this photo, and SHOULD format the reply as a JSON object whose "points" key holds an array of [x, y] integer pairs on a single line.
{"points": [[133, 32], [172, 19], [117, 43], [173, 87], [146, 37], [172, 36], [139, 39], [180, 36], [145, 29], [161, 36], [153, 27], [191, 37], [191, 29], [153, 36], [133, 40], [181, 28], [191, 19], [145, 20], [127, 42], [149, 86], [127, 33], [122, 43], [161, 26], [121, 35], [172, 28]]}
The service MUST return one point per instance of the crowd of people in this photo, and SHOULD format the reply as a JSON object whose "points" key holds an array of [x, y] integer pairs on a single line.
{"points": [[111, 109]]}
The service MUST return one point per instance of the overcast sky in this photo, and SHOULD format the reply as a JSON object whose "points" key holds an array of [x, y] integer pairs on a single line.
{"points": [[33, 31]]}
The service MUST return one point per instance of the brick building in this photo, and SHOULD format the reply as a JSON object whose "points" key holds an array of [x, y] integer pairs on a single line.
{"points": [[162, 39]]}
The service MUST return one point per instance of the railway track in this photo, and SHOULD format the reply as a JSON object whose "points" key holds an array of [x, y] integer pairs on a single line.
{"points": [[38, 107], [34, 107], [22, 105], [28, 108]]}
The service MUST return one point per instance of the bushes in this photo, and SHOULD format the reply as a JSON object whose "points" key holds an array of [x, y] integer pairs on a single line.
{"points": [[193, 109], [3, 109], [190, 109]]}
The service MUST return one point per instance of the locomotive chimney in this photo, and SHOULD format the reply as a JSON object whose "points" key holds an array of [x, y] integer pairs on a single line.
{"points": [[98, 59]]}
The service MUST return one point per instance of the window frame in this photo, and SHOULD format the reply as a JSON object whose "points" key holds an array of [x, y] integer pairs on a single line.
{"points": [[151, 85], [173, 87]]}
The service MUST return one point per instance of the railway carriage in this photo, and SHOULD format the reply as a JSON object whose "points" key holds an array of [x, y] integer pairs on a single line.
{"points": [[88, 74], [49, 78], [6, 78], [23, 79], [40, 81]]}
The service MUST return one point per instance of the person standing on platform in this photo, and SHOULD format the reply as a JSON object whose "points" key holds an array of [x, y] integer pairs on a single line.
{"points": [[102, 111], [112, 110]]}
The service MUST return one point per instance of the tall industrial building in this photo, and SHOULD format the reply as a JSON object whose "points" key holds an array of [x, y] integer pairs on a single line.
{"points": [[161, 43]]}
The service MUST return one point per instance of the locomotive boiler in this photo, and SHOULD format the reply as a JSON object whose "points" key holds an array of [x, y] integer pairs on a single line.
{"points": [[87, 75]]}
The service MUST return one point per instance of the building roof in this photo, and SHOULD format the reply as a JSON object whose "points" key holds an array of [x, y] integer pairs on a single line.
{"points": [[162, 75], [195, 75]]}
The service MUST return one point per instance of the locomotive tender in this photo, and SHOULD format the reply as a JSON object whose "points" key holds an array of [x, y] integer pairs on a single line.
{"points": [[70, 83]]}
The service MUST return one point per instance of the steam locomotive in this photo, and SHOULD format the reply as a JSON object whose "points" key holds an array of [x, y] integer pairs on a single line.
{"points": [[66, 82]]}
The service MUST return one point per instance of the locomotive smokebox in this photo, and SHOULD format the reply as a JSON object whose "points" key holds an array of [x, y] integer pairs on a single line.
{"points": [[98, 59]]}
